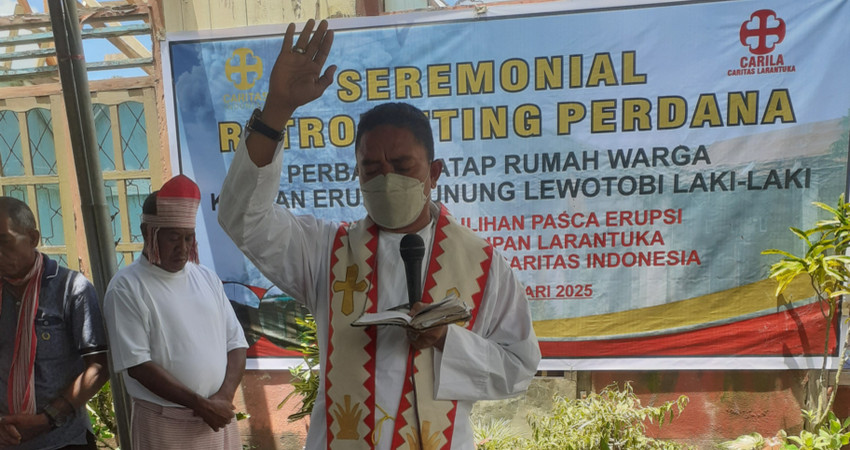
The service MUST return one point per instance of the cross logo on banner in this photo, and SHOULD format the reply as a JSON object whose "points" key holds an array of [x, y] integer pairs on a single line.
{"points": [[764, 29]]}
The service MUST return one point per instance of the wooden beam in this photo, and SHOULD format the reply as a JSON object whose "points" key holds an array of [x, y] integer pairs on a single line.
{"points": [[101, 33], [23, 7], [18, 74], [129, 63], [26, 54], [39, 20], [128, 45]]}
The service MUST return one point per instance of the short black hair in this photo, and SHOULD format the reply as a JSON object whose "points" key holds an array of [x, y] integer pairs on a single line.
{"points": [[402, 115], [149, 206], [19, 212]]}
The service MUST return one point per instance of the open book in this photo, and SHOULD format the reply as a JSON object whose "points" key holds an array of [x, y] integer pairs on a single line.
{"points": [[448, 310]]}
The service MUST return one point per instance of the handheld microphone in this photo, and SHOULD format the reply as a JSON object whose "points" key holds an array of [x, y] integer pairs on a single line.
{"points": [[412, 249]]}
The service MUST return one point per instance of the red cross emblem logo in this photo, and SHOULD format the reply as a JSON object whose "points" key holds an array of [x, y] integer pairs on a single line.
{"points": [[762, 32]]}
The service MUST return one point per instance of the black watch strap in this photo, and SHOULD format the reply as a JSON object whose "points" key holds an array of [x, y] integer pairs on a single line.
{"points": [[257, 125]]}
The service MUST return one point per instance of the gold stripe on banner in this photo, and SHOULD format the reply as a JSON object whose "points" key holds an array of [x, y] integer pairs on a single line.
{"points": [[719, 306]]}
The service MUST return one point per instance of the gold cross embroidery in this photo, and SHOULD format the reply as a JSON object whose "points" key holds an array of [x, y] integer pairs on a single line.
{"points": [[348, 287]]}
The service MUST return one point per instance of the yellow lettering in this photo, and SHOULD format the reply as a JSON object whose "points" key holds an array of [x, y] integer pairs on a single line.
{"points": [[706, 111], [514, 75], [444, 119], [568, 114], [575, 71], [439, 80], [630, 76], [549, 73], [472, 80], [349, 89], [603, 114], [341, 131], [602, 71], [377, 84], [494, 122], [468, 121], [310, 133], [228, 136], [779, 107], [636, 114], [671, 112], [407, 82], [527, 120], [741, 110]]}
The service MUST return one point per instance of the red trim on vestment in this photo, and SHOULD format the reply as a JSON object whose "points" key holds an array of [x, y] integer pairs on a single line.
{"points": [[372, 346], [404, 404], [342, 231]]}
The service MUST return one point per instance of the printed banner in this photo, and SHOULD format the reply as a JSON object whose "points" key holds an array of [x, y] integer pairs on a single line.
{"points": [[630, 164]]}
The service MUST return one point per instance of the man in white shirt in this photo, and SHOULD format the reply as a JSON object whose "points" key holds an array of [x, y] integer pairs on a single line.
{"points": [[173, 334], [380, 387]]}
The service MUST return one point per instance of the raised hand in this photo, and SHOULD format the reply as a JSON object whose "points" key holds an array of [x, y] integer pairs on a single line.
{"points": [[296, 78]]}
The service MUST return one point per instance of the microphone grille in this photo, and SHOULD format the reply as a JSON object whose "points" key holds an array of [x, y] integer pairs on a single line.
{"points": [[412, 246]]}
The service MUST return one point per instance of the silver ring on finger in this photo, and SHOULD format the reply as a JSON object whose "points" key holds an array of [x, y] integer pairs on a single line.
{"points": [[298, 50]]}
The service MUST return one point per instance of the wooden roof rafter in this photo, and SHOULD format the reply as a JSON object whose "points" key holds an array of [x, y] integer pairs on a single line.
{"points": [[129, 45], [99, 20]]}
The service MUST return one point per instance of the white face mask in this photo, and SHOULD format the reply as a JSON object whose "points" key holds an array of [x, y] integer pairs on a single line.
{"points": [[393, 201]]}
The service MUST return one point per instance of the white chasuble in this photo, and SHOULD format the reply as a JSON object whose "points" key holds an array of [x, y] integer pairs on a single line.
{"points": [[459, 263]]}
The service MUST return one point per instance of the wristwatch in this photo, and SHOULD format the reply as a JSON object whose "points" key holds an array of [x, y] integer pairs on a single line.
{"points": [[54, 416], [255, 124]]}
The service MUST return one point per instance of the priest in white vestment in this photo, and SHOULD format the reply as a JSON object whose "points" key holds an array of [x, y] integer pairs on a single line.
{"points": [[380, 387]]}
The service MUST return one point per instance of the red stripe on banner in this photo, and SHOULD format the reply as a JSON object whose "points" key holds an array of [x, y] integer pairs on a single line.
{"points": [[797, 332], [264, 348]]}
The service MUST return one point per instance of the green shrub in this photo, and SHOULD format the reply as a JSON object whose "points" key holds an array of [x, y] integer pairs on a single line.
{"points": [[831, 435], [306, 374], [612, 419], [102, 416], [495, 434]]}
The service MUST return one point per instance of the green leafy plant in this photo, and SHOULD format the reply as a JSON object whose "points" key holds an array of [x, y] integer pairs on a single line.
{"points": [[611, 419], [825, 261], [306, 374], [102, 417], [495, 434], [831, 435], [752, 441]]}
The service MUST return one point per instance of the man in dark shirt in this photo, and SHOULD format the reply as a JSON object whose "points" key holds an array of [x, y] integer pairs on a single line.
{"points": [[52, 342]]}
